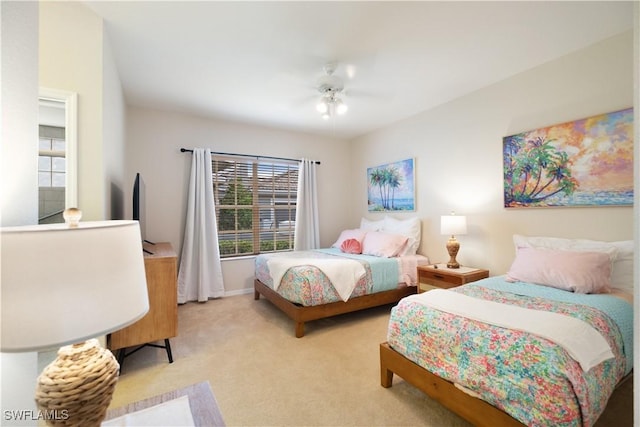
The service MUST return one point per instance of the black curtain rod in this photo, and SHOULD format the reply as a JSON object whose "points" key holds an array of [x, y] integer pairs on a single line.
{"points": [[186, 150]]}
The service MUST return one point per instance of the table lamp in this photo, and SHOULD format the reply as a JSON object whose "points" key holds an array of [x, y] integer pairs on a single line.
{"points": [[453, 225], [64, 284]]}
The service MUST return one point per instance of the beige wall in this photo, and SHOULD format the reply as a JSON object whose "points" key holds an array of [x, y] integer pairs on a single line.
{"points": [[71, 59], [153, 149], [78, 58], [458, 153]]}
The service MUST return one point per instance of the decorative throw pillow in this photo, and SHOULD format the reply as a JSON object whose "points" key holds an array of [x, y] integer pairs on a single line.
{"points": [[579, 272], [357, 234], [351, 246]]}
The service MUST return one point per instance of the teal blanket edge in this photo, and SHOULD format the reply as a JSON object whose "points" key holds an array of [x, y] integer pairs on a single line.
{"points": [[384, 271], [620, 311]]}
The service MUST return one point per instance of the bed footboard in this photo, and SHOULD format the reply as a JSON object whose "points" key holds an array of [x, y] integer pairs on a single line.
{"points": [[301, 314], [474, 410]]}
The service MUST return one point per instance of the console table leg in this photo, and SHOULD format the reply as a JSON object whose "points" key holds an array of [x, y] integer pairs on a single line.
{"points": [[167, 345]]}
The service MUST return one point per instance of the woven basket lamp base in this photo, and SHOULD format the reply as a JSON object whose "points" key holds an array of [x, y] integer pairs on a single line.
{"points": [[76, 388]]}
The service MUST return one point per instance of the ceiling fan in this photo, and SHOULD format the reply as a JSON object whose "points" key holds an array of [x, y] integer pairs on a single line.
{"points": [[331, 89]]}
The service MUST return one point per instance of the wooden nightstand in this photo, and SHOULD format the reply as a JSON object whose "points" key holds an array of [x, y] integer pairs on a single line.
{"points": [[430, 277]]}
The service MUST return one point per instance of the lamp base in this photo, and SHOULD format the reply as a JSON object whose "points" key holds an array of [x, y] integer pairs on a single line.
{"points": [[453, 247], [76, 388]]}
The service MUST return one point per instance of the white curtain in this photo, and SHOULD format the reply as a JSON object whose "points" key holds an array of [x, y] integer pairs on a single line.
{"points": [[200, 276], [307, 230]]}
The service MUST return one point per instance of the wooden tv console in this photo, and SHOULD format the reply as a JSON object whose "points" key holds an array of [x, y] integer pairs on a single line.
{"points": [[161, 322]]}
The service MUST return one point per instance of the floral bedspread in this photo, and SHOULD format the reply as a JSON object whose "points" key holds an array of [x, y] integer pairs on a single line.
{"points": [[530, 378], [307, 285]]}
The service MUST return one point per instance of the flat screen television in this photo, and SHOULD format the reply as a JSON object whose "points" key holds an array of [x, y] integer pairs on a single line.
{"points": [[137, 195], [139, 207]]}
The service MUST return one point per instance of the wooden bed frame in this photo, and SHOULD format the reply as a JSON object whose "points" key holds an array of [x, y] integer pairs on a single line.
{"points": [[300, 314], [476, 411]]}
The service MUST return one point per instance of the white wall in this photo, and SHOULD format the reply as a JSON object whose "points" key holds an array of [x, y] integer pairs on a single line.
{"points": [[113, 137], [19, 114], [458, 153], [19, 184], [154, 139]]}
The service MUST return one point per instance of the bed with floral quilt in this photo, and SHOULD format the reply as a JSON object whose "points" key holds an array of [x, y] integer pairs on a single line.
{"points": [[545, 351], [364, 268]]}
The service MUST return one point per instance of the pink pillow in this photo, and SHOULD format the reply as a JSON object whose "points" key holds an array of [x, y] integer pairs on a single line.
{"points": [[381, 244], [579, 272], [351, 246], [357, 234]]}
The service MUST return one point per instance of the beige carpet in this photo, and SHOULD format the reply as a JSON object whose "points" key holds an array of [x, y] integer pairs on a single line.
{"points": [[261, 375]]}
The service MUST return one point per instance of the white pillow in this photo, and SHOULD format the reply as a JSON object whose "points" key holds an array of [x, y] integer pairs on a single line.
{"points": [[622, 273], [576, 245], [409, 228], [381, 244], [367, 224]]}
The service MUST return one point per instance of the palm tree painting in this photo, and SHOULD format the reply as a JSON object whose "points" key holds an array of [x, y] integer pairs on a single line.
{"points": [[587, 162], [390, 187]]}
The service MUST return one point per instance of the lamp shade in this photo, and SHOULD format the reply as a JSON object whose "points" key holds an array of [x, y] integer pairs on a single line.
{"points": [[453, 225], [63, 285]]}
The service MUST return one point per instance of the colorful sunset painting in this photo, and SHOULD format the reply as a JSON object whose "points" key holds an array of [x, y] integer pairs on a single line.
{"points": [[390, 187], [587, 162]]}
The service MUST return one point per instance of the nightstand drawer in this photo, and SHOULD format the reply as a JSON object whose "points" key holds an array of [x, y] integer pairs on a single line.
{"points": [[440, 276], [440, 280]]}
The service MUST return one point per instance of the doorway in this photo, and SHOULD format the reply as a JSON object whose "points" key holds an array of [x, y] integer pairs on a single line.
{"points": [[57, 154]]}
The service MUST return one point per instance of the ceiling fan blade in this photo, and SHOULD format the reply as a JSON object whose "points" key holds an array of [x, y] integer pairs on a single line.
{"points": [[303, 101], [353, 67], [362, 94]]}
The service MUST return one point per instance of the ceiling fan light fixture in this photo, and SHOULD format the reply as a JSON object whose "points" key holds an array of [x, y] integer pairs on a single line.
{"points": [[330, 87], [322, 106], [341, 107]]}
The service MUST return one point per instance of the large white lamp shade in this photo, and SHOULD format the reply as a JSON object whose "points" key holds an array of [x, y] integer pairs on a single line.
{"points": [[63, 285], [453, 225]]}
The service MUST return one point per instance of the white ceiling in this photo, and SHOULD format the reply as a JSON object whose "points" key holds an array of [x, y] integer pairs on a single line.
{"points": [[258, 62]]}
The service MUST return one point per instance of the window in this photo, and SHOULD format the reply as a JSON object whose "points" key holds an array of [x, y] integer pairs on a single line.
{"points": [[255, 204], [51, 162], [52, 174]]}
